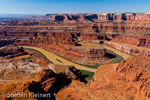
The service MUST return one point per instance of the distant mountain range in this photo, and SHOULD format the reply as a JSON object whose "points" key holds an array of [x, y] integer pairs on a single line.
{"points": [[18, 15]]}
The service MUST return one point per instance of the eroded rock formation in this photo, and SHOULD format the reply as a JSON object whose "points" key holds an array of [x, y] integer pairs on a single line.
{"points": [[128, 80], [11, 51], [62, 44], [134, 40], [68, 29], [84, 56], [102, 16], [17, 61], [45, 82], [127, 49]]}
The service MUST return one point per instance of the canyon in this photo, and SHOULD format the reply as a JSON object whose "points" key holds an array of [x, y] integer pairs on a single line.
{"points": [[85, 40], [128, 80], [130, 28]]}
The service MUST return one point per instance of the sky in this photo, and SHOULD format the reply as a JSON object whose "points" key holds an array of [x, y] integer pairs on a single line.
{"points": [[72, 6]]}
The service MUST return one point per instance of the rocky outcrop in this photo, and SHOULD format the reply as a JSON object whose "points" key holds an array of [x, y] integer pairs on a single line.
{"points": [[103, 16], [134, 40], [45, 82], [122, 26], [136, 71], [51, 38], [68, 17], [81, 17], [60, 38], [103, 26], [70, 71], [128, 80], [91, 37], [14, 63], [64, 45], [126, 49], [84, 56], [11, 50]]}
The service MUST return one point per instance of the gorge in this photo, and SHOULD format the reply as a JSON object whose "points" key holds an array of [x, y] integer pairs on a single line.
{"points": [[78, 41]]}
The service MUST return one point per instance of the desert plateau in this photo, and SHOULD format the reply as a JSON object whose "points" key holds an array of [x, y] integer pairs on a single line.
{"points": [[74, 56]]}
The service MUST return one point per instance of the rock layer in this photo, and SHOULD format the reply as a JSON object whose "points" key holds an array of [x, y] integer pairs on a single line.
{"points": [[102, 16], [128, 80], [11, 51], [126, 49], [93, 56]]}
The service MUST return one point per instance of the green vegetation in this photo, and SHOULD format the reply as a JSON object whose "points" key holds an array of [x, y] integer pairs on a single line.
{"points": [[59, 60], [38, 53], [117, 58], [89, 76], [90, 66]]}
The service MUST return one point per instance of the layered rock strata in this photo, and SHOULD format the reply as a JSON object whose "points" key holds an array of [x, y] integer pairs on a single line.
{"points": [[84, 56], [127, 49], [67, 29], [128, 80], [134, 40], [11, 51], [45, 82], [102, 16]]}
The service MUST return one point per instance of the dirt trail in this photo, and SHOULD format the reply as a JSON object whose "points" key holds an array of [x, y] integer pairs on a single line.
{"points": [[52, 57]]}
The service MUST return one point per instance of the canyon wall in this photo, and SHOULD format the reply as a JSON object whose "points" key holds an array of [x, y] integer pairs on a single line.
{"points": [[11, 51], [61, 44], [129, 79], [90, 37], [68, 29], [126, 49], [102, 16], [136, 71], [93, 56], [134, 40], [122, 26]]}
